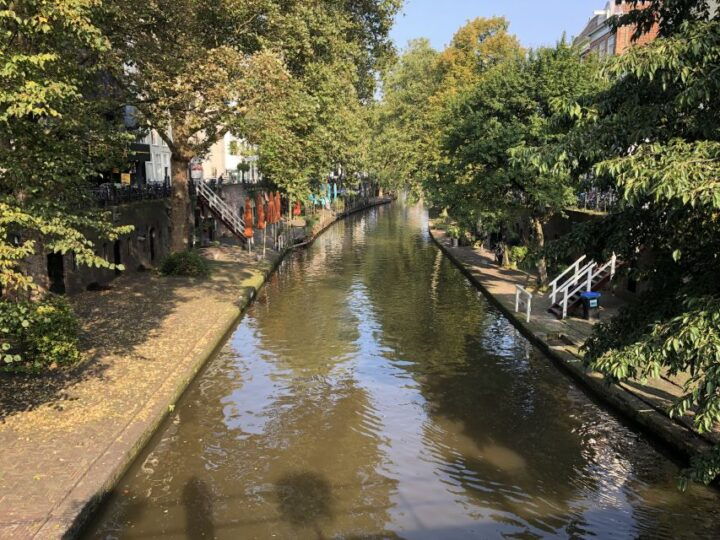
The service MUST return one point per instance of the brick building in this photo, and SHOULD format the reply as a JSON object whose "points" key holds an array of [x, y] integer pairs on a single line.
{"points": [[598, 37]]}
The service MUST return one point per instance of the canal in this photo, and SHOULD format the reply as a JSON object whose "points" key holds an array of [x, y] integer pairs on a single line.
{"points": [[372, 392]]}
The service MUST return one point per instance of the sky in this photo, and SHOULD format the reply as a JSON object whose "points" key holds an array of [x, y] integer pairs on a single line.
{"points": [[535, 22]]}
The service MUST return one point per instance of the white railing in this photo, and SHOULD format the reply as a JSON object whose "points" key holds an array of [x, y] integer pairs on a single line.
{"points": [[588, 276], [523, 298], [220, 207], [574, 268]]}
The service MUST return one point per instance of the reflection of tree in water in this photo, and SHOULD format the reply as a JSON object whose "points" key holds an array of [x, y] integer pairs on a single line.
{"points": [[315, 466], [514, 432], [485, 404]]}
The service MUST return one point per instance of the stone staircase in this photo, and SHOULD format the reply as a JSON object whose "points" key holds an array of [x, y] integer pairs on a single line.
{"points": [[221, 210]]}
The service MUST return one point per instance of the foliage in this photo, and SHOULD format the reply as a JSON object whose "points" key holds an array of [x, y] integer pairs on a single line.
{"points": [[518, 254], [669, 15], [511, 111], [37, 335], [418, 92], [652, 135], [333, 52], [310, 222], [59, 128], [185, 263], [454, 231]]}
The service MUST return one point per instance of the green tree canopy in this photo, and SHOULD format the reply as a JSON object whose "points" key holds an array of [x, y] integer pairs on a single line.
{"points": [[60, 126], [652, 135], [513, 108]]}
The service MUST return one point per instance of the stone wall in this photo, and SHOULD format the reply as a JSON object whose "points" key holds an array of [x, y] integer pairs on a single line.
{"points": [[141, 249]]}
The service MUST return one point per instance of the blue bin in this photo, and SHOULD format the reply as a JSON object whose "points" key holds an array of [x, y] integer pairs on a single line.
{"points": [[591, 305]]}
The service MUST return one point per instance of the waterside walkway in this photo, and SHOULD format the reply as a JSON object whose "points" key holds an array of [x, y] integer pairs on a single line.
{"points": [[66, 438], [645, 402]]}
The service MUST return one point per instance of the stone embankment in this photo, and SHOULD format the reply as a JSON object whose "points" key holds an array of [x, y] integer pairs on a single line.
{"points": [[66, 438], [644, 402]]}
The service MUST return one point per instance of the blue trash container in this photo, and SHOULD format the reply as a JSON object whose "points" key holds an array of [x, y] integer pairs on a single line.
{"points": [[591, 305]]}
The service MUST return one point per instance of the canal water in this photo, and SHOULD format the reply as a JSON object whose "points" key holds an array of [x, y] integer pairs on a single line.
{"points": [[371, 392]]}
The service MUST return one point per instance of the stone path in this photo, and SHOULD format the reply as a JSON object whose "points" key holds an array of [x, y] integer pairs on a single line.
{"points": [[66, 438], [645, 402]]}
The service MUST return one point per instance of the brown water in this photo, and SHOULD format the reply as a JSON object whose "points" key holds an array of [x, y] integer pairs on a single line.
{"points": [[371, 392]]}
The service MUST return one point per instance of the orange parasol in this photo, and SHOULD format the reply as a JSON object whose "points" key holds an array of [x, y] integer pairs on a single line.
{"points": [[248, 219], [275, 209], [297, 210], [278, 205], [260, 207]]}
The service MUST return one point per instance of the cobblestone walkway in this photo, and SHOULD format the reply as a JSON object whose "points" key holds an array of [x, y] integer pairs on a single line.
{"points": [[65, 438], [647, 402]]}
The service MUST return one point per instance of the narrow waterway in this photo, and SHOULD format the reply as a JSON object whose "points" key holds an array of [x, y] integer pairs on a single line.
{"points": [[371, 392]]}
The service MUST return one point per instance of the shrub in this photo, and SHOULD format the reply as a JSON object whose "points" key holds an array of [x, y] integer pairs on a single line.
{"points": [[185, 263], [518, 254], [310, 222], [37, 335], [454, 231]]}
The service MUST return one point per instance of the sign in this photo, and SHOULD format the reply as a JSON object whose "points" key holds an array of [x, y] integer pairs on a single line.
{"points": [[140, 152], [196, 170], [593, 302], [125, 179]]}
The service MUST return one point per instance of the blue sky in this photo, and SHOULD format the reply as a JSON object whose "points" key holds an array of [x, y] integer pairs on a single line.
{"points": [[535, 22]]}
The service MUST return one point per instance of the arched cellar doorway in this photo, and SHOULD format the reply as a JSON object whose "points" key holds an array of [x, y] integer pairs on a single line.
{"points": [[56, 272]]}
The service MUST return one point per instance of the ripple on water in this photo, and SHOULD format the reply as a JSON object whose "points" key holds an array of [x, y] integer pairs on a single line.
{"points": [[372, 392]]}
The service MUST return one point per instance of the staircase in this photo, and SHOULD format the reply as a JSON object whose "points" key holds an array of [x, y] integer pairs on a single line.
{"points": [[580, 277], [221, 210]]}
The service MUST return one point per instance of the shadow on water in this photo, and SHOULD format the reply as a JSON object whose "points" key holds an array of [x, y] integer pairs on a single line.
{"points": [[197, 500], [304, 500]]}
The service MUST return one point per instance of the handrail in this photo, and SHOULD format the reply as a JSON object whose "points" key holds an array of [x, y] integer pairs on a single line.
{"points": [[226, 214], [554, 282], [587, 283], [572, 281], [528, 301]]}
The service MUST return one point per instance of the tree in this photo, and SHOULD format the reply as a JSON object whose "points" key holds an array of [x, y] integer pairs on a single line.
{"points": [[669, 15], [652, 135], [421, 88], [405, 125], [513, 108], [334, 51], [60, 127], [191, 69]]}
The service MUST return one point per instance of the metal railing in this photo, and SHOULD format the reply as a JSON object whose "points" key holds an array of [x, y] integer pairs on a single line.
{"points": [[595, 199], [112, 194], [586, 278], [556, 284], [221, 209], [523, 298]]}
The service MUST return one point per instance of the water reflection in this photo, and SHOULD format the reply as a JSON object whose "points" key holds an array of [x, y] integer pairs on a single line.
{"points": [[371, 392]]}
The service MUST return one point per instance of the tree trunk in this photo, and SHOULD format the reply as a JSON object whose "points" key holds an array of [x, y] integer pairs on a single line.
{"points": [[539, 235], [181, 215]]}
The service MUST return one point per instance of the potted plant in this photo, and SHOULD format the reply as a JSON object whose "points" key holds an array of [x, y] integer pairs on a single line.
{"points": [[454, 234]]}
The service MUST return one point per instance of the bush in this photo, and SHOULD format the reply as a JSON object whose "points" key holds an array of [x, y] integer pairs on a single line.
{"points": [[37, 335], [454, 231], [518, 254], [310, 222], [185, 263]]}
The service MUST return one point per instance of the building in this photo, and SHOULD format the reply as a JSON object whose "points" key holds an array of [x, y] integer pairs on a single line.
{"points": [[157, 168], [233, 158], [597, 36], [149, 161]]}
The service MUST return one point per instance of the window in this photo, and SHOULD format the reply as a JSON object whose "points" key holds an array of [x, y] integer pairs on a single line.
{"points": [[157, 160]]}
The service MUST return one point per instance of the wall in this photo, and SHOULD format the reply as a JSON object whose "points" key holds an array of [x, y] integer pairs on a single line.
{"points": [[141, 249]]}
